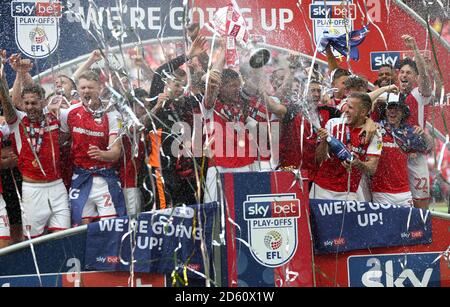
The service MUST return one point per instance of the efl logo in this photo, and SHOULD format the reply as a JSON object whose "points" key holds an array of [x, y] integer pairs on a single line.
{"points": [[258, 210], [31, 8], [36, 27], [333, 11], [381, 58], [272, 227], [396, 270]]}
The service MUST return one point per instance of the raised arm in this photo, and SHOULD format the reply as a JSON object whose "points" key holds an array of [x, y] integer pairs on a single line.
{"points": [[9, 111], [213, 77], [424, 78], [331, 59], [22, 67], [95, 56], [197, 48]]}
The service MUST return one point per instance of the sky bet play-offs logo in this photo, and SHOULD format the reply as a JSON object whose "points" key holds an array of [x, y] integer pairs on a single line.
{"points": [[333, 17], [36, 27], [272, 227]]}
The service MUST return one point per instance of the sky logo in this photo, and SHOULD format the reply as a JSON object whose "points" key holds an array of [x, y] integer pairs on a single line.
{"points": [[271, 209], [395, 270], [334, 11], [33, 8], [381, 58]]}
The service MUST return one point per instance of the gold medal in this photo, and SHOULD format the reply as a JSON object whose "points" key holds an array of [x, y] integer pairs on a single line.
{"points": [[34, 163]]}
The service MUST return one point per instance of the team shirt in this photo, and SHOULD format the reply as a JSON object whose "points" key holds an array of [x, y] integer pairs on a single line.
{"points": [[87, 130], [392, 158], [130, 165], [416, 103], [331, 174], [233, 146], [292, 134], [44, 139]]}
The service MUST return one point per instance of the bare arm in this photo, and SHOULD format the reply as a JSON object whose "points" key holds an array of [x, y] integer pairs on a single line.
{"points": [[322, 148], [379, 91], [369, 167], [276, 108], [93, 58], [424, 79], [9, 111], [332, 62], [22, 67], [110, 155]]}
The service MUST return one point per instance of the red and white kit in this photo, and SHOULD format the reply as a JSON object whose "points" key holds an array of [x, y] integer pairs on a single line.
{"points": [[45, 204], [234, 149], [129, 170], [332, 178], [418, 173], [388, 186], [86, 131]]}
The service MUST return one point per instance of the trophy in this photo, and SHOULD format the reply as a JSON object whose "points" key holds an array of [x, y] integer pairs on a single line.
{"points": [[228, 22]]}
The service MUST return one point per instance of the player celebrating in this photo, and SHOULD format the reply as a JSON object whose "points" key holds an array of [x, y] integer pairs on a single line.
{"points": [[332, 180], [95, 191], [393, 188], [35, 136], [411, 73]]}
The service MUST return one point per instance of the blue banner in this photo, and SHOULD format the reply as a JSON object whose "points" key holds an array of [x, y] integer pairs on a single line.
{"points": [[163, 241], [340, 226]]}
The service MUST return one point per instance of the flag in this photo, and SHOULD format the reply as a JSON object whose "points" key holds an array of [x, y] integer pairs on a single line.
{"points": [[339, 42]]}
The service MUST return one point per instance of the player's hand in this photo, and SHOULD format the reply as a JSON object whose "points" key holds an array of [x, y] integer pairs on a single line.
{"points": [[392, 88], [215, 79], [349, 165], [369, 129], [95, 153], [162, 98], [322, 133], [197, 47], [95, 56], [418, 130], [409, 41]]}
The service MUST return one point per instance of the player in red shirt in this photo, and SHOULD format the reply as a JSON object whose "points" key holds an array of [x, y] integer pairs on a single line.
{"points": [[416, 97], [232, 113], [95, 191], [36, 139], [390, 183], [130, 163], [297, 135], [332, 179]]}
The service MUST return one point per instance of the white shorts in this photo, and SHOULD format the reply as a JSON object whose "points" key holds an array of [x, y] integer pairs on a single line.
{"points": [[419, 177], [45, 205], [363, 193], [4, 221], [99, 203], [401, 199], [132, 200], [319, 193], [263, 166], [213, 179]]}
